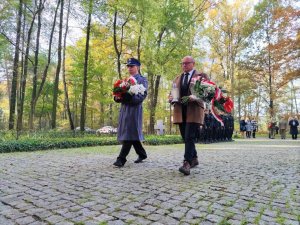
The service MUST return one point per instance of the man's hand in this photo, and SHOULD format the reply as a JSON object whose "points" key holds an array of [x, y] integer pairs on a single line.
{"points": [[192, 98]]}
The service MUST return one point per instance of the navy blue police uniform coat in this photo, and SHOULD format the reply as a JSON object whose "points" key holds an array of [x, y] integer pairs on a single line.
{"points": [[130, 127]]}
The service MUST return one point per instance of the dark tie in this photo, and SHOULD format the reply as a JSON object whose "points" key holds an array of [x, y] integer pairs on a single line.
{"points": [[186, 77]]}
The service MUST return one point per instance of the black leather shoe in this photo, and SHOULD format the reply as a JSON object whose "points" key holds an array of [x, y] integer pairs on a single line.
{"points": [[194, 162], [185, 169], [139, 160], [118, 163]]}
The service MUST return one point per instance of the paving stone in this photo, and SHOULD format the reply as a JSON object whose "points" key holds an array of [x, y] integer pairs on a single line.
{"points": [[116, 222], [25, 220], [65, 223], [103, 217], [154, 217], [54, 219], [177, 214], [214, 218], [5, 221], [41, 223]]}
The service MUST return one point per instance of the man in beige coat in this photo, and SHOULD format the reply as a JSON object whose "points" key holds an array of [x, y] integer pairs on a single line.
{"points": [[283, 126], [188, 116]]}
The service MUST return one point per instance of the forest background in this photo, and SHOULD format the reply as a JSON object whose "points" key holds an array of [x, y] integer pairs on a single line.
{"points": [[60, 58]]}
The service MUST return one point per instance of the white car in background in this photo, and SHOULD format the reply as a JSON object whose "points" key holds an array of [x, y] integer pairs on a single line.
{"points": [[107, 130], [86, 129]]}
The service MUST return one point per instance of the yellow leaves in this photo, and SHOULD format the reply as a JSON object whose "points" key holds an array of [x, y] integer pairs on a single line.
{"points": [[4, 102], [212, 14], [227, 85]]}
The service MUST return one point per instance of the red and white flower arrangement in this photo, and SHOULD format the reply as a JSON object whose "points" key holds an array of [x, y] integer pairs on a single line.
{"points": [[210, 93], [127, 86]]}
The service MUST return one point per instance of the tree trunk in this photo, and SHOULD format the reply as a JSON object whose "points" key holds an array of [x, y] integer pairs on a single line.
{"points": [[86, 61], [64, 73], [271, 110], [140, 39], [258, 104], [55, 90], [294, 97], [21, 68], [45, 72], [14, 81], [110, 114], [101, 105], [23, 80], [35, 68], [118, 52], [232, 83], [153, 101]]}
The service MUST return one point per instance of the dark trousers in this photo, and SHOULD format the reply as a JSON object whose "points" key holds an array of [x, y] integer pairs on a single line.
{"points": [[126, 146], [188, 133], [248, 134], [294, 136], [253, 134]]}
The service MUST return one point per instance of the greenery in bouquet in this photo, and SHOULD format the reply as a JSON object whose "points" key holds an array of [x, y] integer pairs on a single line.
{"points": [[201, 89], [204, 90]]}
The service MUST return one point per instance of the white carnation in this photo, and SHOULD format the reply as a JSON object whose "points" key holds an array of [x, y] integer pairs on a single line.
{"points": [[137, 89]]}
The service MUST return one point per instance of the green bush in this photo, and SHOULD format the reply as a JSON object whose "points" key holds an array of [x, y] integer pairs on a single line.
{"points": [[59, 143], [163, 140]]}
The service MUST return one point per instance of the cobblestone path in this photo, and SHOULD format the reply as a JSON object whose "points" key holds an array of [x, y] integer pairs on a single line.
{"points": [[241, 182]]}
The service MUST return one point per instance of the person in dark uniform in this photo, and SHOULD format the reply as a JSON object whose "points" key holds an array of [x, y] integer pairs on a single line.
{"points": [[206, 127], [130, 131], [215, 129], [294, 123], [222, 127], [226, 126], [188, 116], [254, 127], [231, 127]]}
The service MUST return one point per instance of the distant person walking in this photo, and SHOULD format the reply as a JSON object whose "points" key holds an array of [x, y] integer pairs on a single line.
{"points": [[242, 127], [283, 126], [248, 128], [294, 123], [272, 128], [254, 127]]}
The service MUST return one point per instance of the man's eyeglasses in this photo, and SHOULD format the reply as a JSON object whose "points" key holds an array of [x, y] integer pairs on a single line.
{"points": [[130, 66], [185, 63]]}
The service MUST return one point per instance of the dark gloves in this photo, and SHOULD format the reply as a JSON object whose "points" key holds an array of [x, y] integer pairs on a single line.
{"points": [[126, 98], [118, 100]]}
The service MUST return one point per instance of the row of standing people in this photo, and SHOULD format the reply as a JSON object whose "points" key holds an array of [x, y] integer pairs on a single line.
{"points": [[248, 127], [284, 124], [213, 131]]}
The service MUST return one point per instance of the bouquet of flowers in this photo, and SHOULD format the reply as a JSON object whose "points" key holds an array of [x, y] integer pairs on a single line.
{"points": [[201, 89], [208, 92], [126, 88]]}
